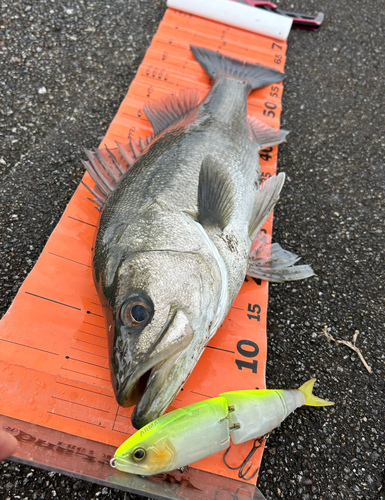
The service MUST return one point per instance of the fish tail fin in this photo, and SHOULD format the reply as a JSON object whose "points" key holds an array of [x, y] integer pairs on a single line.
{"points": [[217, 64], [311, 400]]}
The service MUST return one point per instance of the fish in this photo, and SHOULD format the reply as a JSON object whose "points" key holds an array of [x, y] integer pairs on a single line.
{"points": [[196, 431], [180, 210]]}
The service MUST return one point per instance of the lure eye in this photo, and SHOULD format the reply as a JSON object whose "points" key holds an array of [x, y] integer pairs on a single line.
{"points": [[139, 454], [134, 312]]}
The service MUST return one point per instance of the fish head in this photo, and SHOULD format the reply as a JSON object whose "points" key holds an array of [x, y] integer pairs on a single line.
{"points": [[158, 308], [147, 452]]}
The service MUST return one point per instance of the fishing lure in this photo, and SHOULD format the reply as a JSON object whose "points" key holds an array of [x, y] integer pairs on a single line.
{"points": [[196, 431]]}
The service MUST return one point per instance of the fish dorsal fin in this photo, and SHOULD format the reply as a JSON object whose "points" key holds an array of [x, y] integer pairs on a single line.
{"points": [[265, 201], [108, 166], [171, 108], [265, 135], [216, 196]]}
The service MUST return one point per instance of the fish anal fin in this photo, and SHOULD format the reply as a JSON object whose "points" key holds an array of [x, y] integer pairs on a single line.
{"points": [[171, 108], [265, 201], [273, 263], [265, 135], [216, 195]]}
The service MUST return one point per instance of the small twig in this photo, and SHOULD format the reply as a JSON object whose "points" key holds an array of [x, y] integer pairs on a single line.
{"points": [[351, 345]]}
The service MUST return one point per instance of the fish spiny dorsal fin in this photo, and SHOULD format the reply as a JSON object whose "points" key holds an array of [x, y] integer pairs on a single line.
{"points": [[122, 170], [265, 135], [107, 166], [216, 196], [126, 151], [136, 148], [98, 173], [100, 199], [171, 108], [265, 201], [115, 175], [149, 139]]}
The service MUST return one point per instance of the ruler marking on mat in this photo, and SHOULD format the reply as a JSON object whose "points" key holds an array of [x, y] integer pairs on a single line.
{"points": [[79, 404], [83, 389], [116, 414], [29, 347], [219, 349], [51, 300], [82, 221], [92, 334], [95, 314], [200, 394], [77, 419], [88, 363], [88, 352], [123, 416], [85, 342], [71, 260], [85, 374], [92, 324]]}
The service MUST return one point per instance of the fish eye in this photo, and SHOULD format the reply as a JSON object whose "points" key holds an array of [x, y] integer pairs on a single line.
{"points": [[134, 312], [139, 454], [139, 313]]}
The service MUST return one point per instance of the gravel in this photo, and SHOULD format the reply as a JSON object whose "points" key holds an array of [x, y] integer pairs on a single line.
{"points": [[66, 66]]}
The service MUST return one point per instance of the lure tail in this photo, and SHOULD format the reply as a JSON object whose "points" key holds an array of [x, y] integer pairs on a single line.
{"points": [[218, 65], [311, 400]]}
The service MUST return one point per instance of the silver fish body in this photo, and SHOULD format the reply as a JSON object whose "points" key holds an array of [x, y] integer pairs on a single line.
{"points": [[174, 238]]}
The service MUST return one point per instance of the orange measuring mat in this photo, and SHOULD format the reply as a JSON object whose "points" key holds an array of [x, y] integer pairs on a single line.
{"points": [[53, 344]]}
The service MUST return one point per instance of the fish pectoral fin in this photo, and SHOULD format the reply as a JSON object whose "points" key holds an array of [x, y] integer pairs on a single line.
{"points": [[171, 108], [265, 135], [273, 263], [265, 201], [216, 194]]}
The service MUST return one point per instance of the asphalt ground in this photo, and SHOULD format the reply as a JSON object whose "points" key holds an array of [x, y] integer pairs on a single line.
{"points": [[66, 66]]}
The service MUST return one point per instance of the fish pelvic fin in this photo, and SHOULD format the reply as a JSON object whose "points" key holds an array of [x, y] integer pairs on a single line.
{"points": [[273, 263], [171, 108], [265, 135], [311, 400], [219, 65], [216, 196]]}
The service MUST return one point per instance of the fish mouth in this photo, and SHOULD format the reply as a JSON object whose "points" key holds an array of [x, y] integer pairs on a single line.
{"points": [[163, 384], [134, 385], [175, 338]]}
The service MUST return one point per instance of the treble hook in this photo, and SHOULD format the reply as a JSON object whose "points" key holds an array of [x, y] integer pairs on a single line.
{"points": [[242, 472]]}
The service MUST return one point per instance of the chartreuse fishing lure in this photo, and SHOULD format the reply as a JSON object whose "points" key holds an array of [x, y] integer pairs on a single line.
{"points": [[189, 434]]}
